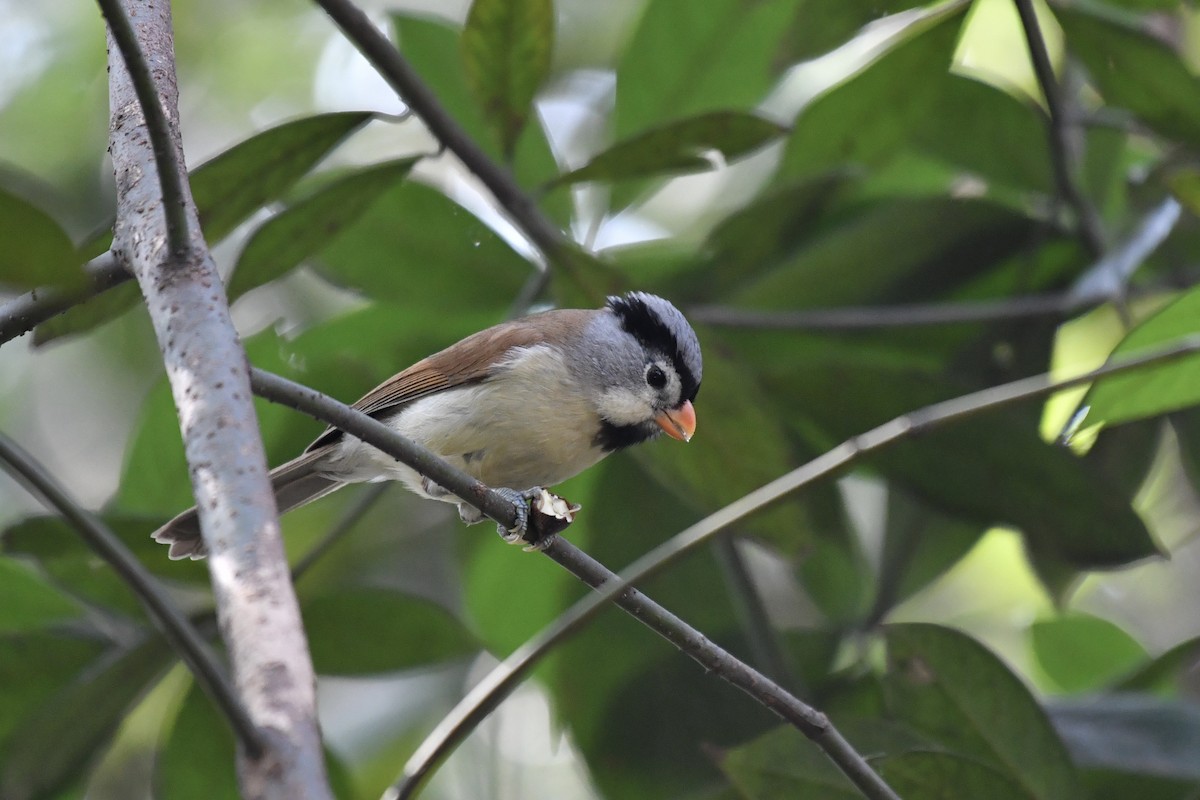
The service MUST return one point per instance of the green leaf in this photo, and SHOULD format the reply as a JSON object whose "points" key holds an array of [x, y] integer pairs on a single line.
{"points": [[91, 313], [33, 667], [506, 47], [363, 630], [1157, 390], [1169, 673], [34, 250], [1135, 71], [680, 63], [309, 224], [860, 121], [28, 602], [822, 25], [199, 755], [416, 247], [784, 763], [233, 185], [62, 736], [678, 147], [1081, 652], [227, 190], [989, 469], [1131, 733], [898, 249], [949, 687], [948, 775]]}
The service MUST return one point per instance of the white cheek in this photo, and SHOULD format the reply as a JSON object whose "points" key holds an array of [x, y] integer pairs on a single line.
{"points": [[625, 407]]}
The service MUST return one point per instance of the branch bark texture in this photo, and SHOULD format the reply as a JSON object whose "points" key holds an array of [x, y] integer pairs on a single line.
{"points": [[206, 366]]}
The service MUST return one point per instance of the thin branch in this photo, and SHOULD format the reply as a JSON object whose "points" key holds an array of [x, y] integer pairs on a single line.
{"points": [[396, 70], [508, 674], [24, 313], [171, 621], [207, 369], [166, 159], [1110, 276], [1090, 230]]}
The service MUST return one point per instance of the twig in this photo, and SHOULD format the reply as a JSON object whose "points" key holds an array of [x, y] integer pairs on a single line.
{"points": [[171, 621], [1110, 276], [24, 313], [1090, 230], [206, 367], [396, 70], [507, 675], [170, 166]]}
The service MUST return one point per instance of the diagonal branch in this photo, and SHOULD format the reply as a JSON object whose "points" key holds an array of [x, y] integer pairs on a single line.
{"points": [[502, 680], [174, 625], [24, 313], [206, 367], [1090, 230], [396, 70]]}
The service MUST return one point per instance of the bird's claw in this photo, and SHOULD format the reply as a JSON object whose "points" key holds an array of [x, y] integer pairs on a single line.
{"points": [[540, 517]]}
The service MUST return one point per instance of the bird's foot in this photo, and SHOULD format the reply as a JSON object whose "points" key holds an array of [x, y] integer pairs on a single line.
{"points": [[540, 517]]}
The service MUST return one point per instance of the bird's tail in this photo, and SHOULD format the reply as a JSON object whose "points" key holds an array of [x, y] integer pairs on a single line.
{"points": [[295, 483]]}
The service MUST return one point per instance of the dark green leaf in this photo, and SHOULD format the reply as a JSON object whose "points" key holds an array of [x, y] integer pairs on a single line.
{"points": [[236, 183], [1132, 733], [783, 763], [62, 736], [951, 688], [199, 755], [27, 601], [33, 667], [1156, 390], [861, 121], [415, 247], [310, 224], [822, 25], [506, 48], [361, 630], [948, 776], [433, 48], [34, 250], [680, 63], [1135, 71], [678, 147], [890, 250], [89, 314], [1081, 652]]}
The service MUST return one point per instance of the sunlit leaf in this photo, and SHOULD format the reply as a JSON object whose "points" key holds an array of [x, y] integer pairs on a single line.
{"points": [[1081, 652], [506, 48], [1156, 390], [308, 225], [951, 688]]}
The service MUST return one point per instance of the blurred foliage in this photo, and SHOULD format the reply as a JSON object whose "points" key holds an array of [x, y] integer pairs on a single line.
{"points": [[775, 155]]}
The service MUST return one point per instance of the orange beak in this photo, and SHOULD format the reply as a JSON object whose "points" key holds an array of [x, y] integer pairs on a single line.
{"points": [[679, 423]]}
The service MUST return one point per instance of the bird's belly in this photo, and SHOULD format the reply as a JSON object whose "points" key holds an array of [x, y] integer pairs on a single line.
{"points": [[503, 432]]}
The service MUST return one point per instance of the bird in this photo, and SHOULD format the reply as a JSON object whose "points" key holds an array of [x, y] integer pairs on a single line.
{"points": [[522, 405]]}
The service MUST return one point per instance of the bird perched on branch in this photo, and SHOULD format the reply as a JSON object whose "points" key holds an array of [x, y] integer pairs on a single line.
{"points": [[521, 405]]}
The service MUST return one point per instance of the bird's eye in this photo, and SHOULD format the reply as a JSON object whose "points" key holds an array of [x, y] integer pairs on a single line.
{"points": [[655, 376]]}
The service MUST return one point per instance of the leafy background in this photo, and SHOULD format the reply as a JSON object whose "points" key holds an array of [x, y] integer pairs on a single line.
{"points": [[986, 612]]}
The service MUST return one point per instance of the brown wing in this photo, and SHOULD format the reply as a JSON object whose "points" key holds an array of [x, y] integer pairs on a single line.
{"points": [[468, 361]]}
